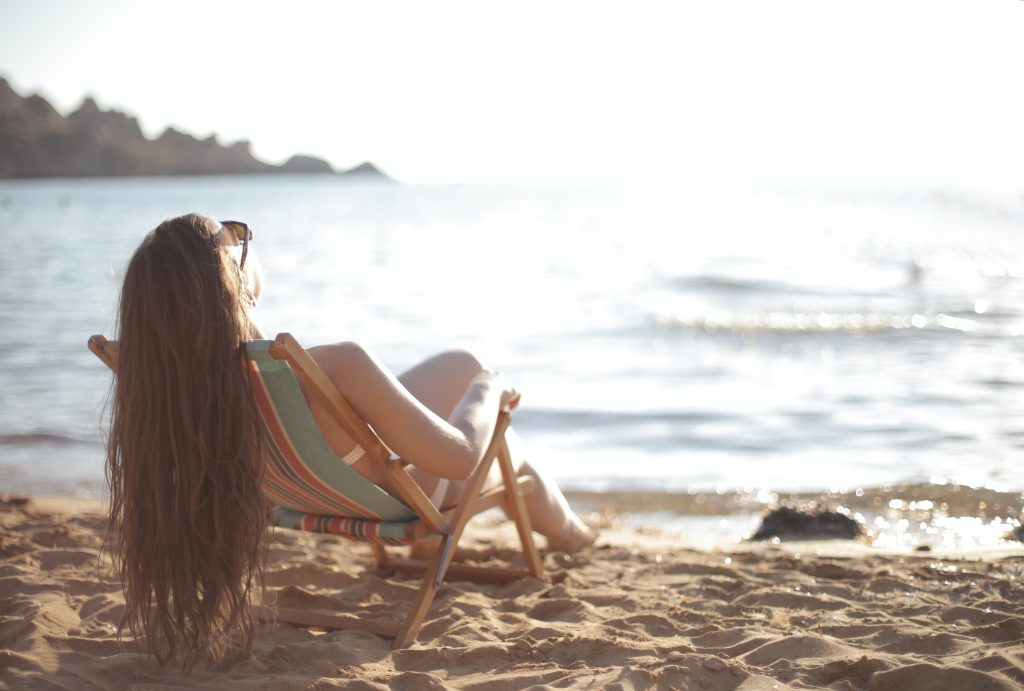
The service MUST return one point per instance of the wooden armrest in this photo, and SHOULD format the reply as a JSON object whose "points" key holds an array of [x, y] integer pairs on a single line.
{"points": [[285, 347], [105, 350]]}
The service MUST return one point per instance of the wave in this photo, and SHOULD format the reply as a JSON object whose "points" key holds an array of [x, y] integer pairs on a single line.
{"points": [[41, 438], [940, 496], [817, 322], [561, 419], [908, 517], [738, 285]]}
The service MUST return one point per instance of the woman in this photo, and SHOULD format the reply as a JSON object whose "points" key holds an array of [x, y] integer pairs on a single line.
{"points": [[184, 458]]}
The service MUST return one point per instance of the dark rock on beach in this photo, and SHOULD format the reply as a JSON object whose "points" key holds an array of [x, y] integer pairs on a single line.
{"points": [[38, 142], [788, 523]]}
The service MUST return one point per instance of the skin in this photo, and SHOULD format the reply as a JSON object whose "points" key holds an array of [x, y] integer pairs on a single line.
{"points": [[439, 416]]}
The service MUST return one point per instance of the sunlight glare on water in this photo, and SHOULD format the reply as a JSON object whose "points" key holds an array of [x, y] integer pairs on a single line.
{"points": [[671, 338]]}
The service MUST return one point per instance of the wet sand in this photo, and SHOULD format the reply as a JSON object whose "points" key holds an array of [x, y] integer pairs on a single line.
{"points": [[636, 611]]}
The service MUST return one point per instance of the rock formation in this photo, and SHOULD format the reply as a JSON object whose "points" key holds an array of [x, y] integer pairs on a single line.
{"points": [[37, 142]]}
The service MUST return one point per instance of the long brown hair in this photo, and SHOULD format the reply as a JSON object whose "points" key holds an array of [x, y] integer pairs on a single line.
{"points": [[184, 450]]}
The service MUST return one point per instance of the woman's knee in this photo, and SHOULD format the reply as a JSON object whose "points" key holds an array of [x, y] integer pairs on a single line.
{"points": [[460, 363], [440, 381]]}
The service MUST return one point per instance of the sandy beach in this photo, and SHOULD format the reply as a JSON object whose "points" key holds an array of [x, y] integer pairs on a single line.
{"points": [[636, 611]]}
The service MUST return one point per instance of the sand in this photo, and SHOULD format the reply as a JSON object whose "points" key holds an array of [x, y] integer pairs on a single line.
{"points": [[636, 611]]}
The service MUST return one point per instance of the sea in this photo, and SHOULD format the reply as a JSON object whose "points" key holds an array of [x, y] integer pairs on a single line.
{"points": [[736, 344]]}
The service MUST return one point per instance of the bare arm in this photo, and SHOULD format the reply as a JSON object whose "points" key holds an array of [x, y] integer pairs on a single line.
{"points": [[448, 448]]}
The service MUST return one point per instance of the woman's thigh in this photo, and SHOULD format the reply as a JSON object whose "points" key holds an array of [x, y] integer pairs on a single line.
{"points": [[440, 382]]}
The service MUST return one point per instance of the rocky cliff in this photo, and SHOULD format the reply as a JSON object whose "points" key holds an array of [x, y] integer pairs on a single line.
{"points": [[37, 142]]}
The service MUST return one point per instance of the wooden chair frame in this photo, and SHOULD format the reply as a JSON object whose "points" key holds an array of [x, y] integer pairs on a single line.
{"points": [[449, 524]]}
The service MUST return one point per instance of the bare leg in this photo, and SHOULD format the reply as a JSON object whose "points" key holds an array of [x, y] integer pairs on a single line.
{"points": [[549, 510], [439, 383]]}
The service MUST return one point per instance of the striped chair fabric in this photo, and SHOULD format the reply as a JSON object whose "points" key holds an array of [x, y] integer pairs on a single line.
{"points": [[312, 488]]}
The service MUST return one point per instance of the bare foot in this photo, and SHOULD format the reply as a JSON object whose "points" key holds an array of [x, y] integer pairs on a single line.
{"points": [[581, 536]]}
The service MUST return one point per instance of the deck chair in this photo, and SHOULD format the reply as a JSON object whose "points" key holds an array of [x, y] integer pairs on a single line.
{"points": [[315, 490]]}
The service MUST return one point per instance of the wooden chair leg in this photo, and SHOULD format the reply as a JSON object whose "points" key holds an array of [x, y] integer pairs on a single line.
{"points": [[424, 598], [517, 508], [380, 554], [439, 562]]}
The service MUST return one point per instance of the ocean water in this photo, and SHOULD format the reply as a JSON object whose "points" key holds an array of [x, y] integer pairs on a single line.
{"points": [[684, 340]]}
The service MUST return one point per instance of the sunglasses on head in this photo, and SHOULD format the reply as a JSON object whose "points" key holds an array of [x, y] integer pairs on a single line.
{"points": [[241, 232]]}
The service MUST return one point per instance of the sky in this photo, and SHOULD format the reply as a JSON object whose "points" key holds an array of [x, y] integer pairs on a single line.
{"points": [[844, 92]]}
